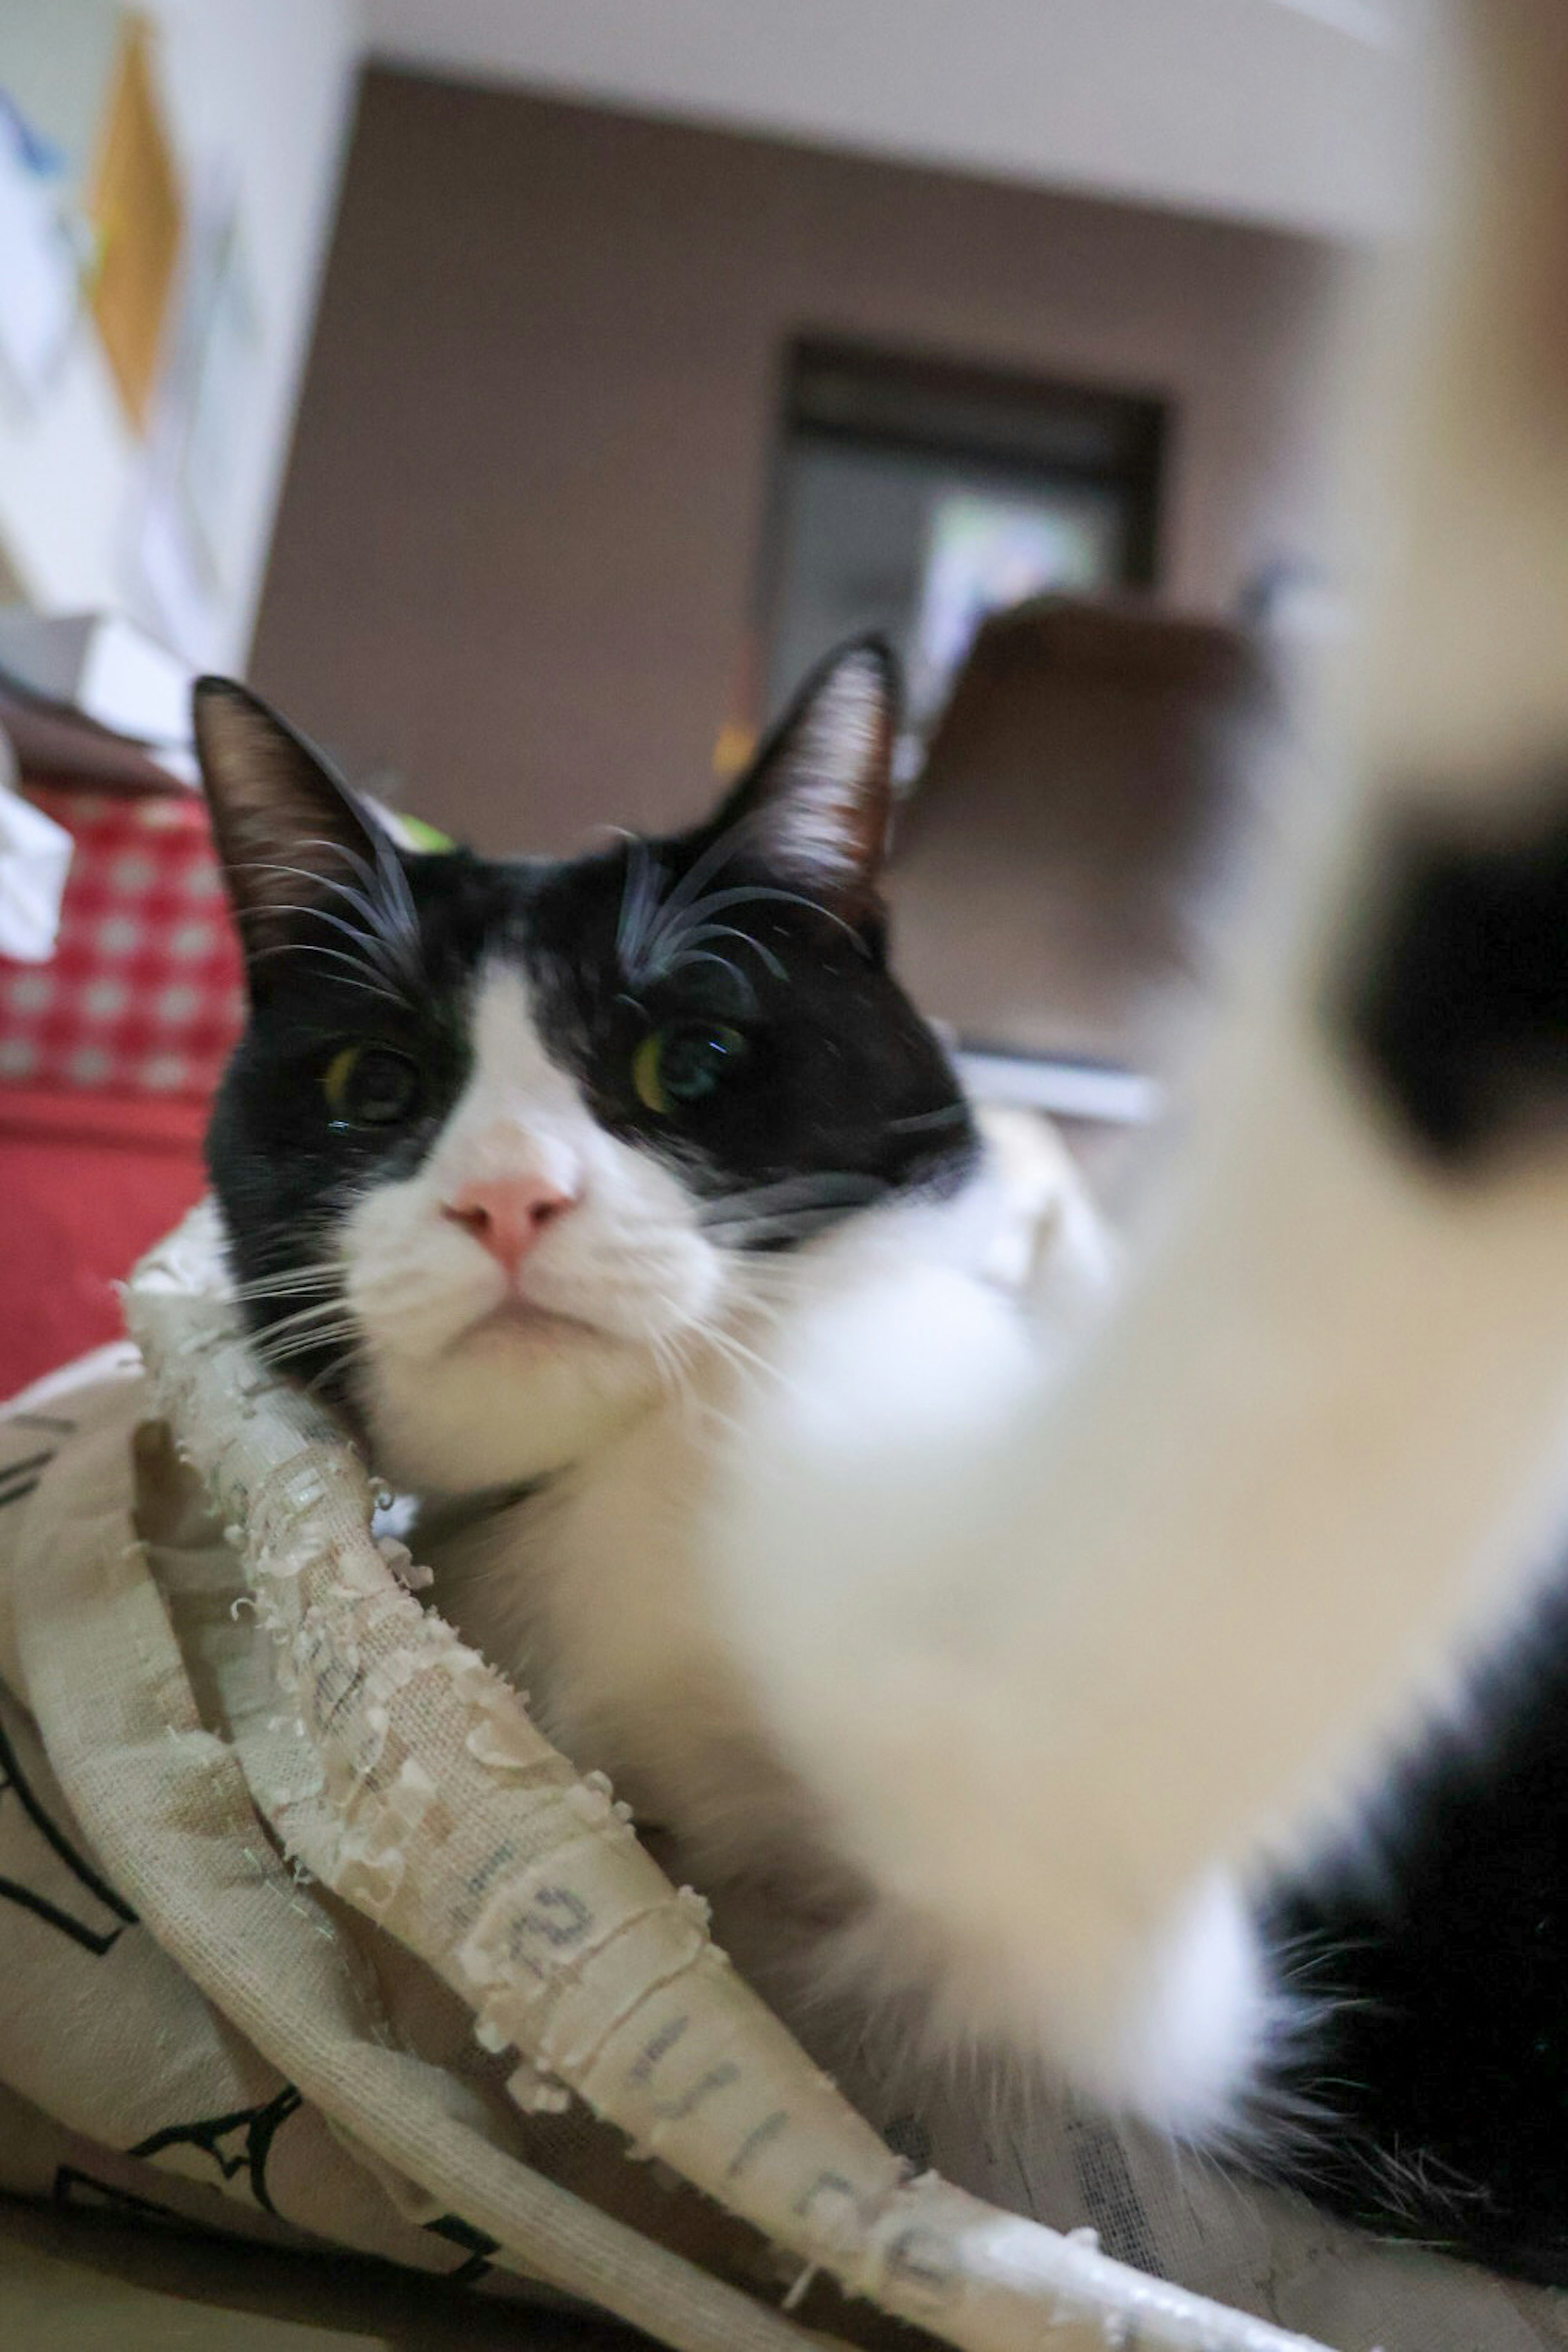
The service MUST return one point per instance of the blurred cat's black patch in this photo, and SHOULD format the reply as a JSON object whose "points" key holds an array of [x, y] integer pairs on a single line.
{"points": [[1460, 1004]]}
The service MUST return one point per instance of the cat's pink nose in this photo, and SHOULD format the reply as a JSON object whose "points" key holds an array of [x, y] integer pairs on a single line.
{"points": [[509, 1215]]}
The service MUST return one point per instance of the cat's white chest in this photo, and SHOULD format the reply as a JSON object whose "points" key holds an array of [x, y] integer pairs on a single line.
{"points": [[713, 1609], [635, 1671], [661, 1575]]}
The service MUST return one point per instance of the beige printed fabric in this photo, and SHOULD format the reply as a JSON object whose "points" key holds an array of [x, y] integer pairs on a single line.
{"points": [[271, 1848]]}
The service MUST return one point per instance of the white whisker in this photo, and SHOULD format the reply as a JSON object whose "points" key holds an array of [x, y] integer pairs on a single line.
{"points": [[948, 1115], [381, 954], [387, 884], [344, 1343], [706, 955], [309, 1326], [714, 859], [639, 895], [833, 1190], [693, 938], [735, 1350], [353, 964], [669, 937], [651, 936], [794, 1225], [286, 1286]]}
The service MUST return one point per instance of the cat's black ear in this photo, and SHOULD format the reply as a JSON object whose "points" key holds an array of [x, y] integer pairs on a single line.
{"points": [[291, 836], [817, 799]]}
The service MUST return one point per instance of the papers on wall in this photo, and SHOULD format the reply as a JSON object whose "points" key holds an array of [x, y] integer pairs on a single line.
{"points": [[40, 276], [189, 523], [138, 214]]}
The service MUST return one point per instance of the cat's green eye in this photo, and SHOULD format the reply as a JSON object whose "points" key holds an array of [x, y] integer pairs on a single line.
{"points": [[369, 1086], [685, 1064]]}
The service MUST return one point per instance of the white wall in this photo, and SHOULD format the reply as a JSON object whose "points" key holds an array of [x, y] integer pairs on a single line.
{"points": [[265, 85], [1290, 111], [1293, 112]]}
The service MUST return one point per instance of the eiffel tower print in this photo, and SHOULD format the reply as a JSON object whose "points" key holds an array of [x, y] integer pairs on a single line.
{"points": [[238, 2143], [98, 1917]]}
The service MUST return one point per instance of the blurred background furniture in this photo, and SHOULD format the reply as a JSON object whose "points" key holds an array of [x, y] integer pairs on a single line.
{"points": [[1085, 806]]}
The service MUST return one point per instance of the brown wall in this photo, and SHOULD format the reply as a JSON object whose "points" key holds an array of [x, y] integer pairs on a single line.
{"points": [[519, 533]]}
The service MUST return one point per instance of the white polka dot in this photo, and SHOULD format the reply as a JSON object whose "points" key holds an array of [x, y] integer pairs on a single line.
{"points": [[89, 1066], [102, 1000], [202, 881], [119, 935], [189, 941], [165, 1072], [31, 991], [176, 1005], [19, 1057], [132, 874]]}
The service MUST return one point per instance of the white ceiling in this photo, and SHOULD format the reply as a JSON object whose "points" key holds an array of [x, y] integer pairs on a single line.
{"points": [[1296, 112]]}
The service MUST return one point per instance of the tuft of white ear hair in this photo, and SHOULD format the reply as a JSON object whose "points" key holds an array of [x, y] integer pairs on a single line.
{"points": [[820, 794]]}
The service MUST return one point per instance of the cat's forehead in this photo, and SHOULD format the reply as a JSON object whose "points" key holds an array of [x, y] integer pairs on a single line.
{"points": [[471, 908], [638, 913]]}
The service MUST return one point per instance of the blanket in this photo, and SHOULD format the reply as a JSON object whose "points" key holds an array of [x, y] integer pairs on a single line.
{"points": [[306, 1934]]}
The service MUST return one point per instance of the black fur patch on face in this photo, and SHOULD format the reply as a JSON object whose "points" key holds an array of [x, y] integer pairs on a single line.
{"points": [[837, 1075], [1461, 1001], [833, 1074], [722, 998]]}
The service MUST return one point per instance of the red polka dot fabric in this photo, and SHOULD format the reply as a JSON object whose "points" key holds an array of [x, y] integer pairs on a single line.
{"points": [[144, 993]]}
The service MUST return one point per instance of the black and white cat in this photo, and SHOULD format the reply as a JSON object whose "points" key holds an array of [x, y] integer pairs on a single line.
{"points": [[631, 1214]]}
